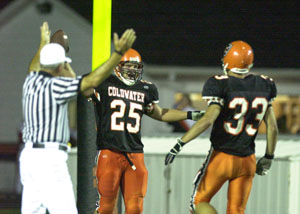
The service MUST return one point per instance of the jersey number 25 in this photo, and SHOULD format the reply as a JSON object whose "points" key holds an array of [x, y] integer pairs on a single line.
{"points": [[115, 126]]}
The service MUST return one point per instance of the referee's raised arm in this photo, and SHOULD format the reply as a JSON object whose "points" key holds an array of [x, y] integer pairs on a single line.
{"points": [[45, 39]]}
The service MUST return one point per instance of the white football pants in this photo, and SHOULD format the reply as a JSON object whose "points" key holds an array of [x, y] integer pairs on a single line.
{"points": [[46, 182]]}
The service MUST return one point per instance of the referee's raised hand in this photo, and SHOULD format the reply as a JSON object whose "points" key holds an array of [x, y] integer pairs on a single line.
{"points": [[45, 33], [125, 42]]}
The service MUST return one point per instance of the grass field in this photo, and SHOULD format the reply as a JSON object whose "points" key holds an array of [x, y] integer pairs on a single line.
{"points": [[10, 211], [10, 203]]}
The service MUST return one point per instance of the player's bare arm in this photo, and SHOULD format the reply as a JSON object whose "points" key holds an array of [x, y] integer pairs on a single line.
{"points": [[96, 77], [272, 131], [264, 163], [172, 115], [45, 39], [204, 123], [166, 115], [200, 126]]}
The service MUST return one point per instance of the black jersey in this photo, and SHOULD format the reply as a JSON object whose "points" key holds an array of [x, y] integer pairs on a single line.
{"points": [[244, 103], [119, 109]]}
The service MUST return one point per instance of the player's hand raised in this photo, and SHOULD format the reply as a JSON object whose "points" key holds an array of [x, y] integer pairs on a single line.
{"points": [[174, 151], [125, 42], [263, 165]]}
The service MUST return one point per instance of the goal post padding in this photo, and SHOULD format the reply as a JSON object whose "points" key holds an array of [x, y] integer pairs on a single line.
{"points": [[86, 191]]}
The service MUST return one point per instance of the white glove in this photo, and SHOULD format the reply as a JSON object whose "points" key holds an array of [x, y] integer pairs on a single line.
{"points": [[174, 151], [195, 115], [263, 165]]}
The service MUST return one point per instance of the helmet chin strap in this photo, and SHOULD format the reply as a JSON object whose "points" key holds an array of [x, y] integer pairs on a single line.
{"points": [[126, 81], [237, 70], [224, 68]]}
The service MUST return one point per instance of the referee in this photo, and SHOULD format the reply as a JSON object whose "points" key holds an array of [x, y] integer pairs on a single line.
{"points": [[46, 93]]}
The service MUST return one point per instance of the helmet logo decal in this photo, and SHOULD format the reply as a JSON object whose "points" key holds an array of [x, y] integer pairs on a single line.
{"points": [[134, 59], [227, 49]]}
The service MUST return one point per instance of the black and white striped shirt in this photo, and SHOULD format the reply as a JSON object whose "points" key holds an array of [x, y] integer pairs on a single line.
{"points": [[45, 107]]}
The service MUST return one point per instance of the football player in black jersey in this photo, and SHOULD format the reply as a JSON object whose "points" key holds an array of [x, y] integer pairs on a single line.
{"points": [[238, 102], [120, 102]]}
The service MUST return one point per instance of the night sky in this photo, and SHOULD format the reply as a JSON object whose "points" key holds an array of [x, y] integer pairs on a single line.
{"points": [[195, 33]]}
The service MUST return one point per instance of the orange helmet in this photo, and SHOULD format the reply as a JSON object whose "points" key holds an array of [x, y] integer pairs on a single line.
{"points": [[238, 57], [130, 68]]}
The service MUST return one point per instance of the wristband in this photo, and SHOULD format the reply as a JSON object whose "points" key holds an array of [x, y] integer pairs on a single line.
{"points": [[119, 52], [269, 156], [189, 115], [180, 142]]}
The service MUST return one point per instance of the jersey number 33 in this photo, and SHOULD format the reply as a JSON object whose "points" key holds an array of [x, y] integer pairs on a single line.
{"points": [[240, 116]]}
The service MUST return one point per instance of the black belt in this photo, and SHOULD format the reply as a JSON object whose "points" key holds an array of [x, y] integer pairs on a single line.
{"points": [[127, 158], [129, 161], [43, 146]]}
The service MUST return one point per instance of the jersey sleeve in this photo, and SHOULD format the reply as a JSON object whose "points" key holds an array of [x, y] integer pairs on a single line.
{"points": [[271, 86], [95, 97], [273, 90], [64, 88], [212, 91], [154, 97]]}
